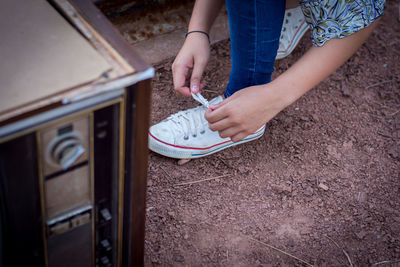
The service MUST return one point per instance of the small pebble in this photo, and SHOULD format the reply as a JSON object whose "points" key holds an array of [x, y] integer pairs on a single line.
{"points": [[361, 234], [178, 257], [323, 186], [149, 209]]}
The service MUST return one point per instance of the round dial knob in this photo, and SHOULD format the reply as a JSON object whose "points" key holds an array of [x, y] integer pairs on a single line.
{"points": [[64, 150]]}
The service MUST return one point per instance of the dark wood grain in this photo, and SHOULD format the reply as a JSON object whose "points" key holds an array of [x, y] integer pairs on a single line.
{"points": [[138, 114], [20, 209]]}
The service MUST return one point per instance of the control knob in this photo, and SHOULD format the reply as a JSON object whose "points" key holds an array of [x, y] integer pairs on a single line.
{"points": [[64, 150]]}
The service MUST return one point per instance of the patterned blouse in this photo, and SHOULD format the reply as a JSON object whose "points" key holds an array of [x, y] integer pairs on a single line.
{"points": [[330, 19]]}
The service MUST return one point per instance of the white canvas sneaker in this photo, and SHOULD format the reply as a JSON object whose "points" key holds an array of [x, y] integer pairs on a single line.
{"points": [[293, 28], [186, 135]]}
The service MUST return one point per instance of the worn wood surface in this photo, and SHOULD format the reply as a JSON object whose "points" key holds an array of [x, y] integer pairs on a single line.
{"points": [[104, 27], [41, 54]]}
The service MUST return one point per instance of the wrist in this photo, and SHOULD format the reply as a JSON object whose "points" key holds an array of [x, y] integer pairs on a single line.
{"points": [[277, 94], [198, 32]]}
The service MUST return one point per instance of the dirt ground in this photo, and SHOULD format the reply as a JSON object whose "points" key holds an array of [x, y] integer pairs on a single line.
{"points": [[322, 184]]}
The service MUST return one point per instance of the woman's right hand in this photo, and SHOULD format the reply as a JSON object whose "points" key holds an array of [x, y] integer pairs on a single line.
{"points": [[191, 61]]}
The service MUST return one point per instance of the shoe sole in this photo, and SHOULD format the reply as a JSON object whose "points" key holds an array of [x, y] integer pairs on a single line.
{"points": [[179, 152], [297, 37]]}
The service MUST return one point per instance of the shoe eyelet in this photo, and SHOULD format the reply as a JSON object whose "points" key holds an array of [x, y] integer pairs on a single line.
{"points": [[194, 135], [284, 29], [203, 132], [186, 138]]}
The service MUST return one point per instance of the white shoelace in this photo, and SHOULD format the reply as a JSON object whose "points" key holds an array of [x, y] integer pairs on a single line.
{"points": [[191, 121], [199, 98]]}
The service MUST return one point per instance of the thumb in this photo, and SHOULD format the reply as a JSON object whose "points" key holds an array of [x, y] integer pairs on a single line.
{"points": [[197, 72], [213, 107]]}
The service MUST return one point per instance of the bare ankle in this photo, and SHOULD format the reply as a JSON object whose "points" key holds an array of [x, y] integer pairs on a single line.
{"points": [[291, 4]]}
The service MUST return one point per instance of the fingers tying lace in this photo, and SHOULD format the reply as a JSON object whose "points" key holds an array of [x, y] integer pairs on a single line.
{"points": [[199, 98]]}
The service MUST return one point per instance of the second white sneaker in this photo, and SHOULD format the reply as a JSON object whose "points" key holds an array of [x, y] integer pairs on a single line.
{"points": [[293, 28], [186, 135]]}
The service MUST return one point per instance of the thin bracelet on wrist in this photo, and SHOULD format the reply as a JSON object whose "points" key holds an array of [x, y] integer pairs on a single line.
{"points": [[208, 36]]}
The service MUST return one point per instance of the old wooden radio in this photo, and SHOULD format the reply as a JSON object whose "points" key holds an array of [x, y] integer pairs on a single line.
{"points": [[74, 113]]}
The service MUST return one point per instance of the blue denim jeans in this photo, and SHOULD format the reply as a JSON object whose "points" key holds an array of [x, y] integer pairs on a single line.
{"points": [[255, 28]]}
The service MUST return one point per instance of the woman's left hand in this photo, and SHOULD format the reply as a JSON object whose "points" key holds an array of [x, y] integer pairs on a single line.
{"points": [[245, 112]]}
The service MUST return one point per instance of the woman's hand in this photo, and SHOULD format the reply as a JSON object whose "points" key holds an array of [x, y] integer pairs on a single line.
{"points": [[190, 63], [246, 111]]}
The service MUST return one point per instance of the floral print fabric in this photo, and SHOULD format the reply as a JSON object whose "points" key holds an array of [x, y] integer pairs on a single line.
{"points": [[330, 19]]}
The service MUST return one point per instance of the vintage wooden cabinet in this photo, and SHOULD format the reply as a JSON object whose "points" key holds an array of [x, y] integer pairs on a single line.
{"points": [[74, 114]]}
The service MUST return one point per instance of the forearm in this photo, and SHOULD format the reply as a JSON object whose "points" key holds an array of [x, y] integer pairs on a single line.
{"points": [[248, 109], [317, 64], [204, 14]]}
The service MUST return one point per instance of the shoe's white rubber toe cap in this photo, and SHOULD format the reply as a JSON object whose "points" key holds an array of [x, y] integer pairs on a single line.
{"points": [[162, 132]]}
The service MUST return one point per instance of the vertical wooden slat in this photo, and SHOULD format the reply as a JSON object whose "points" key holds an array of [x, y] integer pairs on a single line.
{"points": [[140, 163]]}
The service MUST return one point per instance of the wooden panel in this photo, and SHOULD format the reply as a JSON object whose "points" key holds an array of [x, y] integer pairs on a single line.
{"points": [[138, 114], [41, 54], [20, 208]]}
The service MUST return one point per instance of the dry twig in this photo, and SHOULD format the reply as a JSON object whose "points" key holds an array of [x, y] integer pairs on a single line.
{"points": [[344, 251], [203, 180], [225, 163], [210, 91], [165, 172], [386, 135], [281, 251], [394, 113], [380, 83], [384, 262]]}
